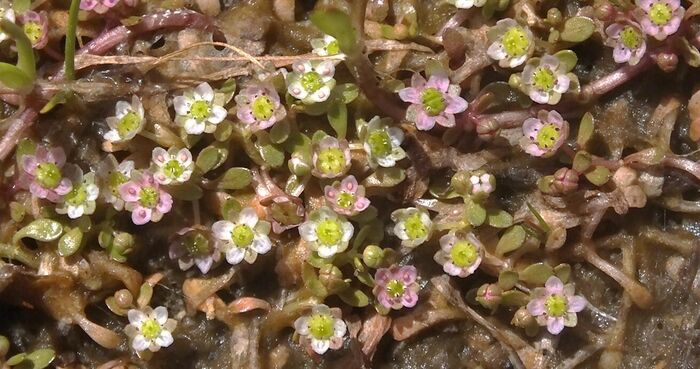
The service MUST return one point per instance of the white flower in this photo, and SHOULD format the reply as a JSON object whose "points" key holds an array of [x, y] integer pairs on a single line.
{"points": [[244, 238], [322, 329], [128, 120], [325, 46], [311, 82], [381, 142], [327, 232], [413, 226], [9, 14], [81, 199], [173, 165], [197, 112], [460, 254], [150, 329], [510, 43], [111, 175], [467, 4]]}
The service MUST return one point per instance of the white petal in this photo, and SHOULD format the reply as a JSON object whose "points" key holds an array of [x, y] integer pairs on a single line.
{"points": [[140, 343], [160, 314], [222, 230], [182, 105], [327, 251], [249, 217], [136, 317], [112, 136], [297, 90], [301, 325], [121, 109], [320, 346], [261, 244], [307, 231], [204, 91], [75, 212], [165, 339], [235, 255], [160, 156], [194, 127], [339, 328], [218, 114]]}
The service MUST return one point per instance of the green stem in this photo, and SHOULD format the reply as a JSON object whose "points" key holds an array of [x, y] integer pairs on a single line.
{"points": [[69, 63], [19, 253]]}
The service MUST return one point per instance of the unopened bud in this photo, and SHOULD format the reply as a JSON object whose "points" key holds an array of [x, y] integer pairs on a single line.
{"points": [[373, 256], [489, 295], [565, 180]]}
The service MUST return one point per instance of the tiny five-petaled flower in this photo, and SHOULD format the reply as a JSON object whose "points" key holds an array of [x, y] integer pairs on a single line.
{"points": [[459, 254], [331, 157], [81, 198], [322, 329], [244, 238], [510, 43], [413, 226], [545, 80], [173, 165], [396, 287], [545, 134], [36, 27], [127, 121], [347, 197], [381, 142], [659, 18], [628, 41], [43, 173], [111, 175], [555, 306], [326, 232], [198, 111], [191, 246], [150, 329], [102, 6], [144, 198], [311, 82], [432, 101], [259, 106]]}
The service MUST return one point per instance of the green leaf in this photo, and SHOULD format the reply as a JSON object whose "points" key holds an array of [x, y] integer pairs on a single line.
{"points": [[273, 155], [599, 175], [70, 242], [112, 305], [318, 136], [41, 358], [145, 295], [61, 97], [186, 191], [4, 346], [354, 297], [338, 118], [585, 129], [385, 177], [41, 230], [475, 212], [223, 131], [25, 147], [542, 223], [507, 279], [511, 240], [280, 132], [13, 77], [298, 142], [16, 359], [337, 24], [348, 92], [235, 179], [21, 6], [25, 52], [582, 161], [567, 58], [577, 29], [365, 278], [312, 282], [536, 274], [563, 272], [211, 157], [499, 218], [231, 208], [514, 298]]}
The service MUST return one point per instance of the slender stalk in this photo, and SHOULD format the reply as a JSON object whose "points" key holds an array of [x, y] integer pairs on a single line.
{"points": [[69, 58]]}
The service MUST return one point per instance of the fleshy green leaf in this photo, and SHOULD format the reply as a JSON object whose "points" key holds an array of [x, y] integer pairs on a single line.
{"points": [[235, 179], [385, 177], [13, 77], [577, 29], [499, 218], [280, 132], [41, 358], [61, 97], [567, 58], [348, 92], [507, 279], [585, 130], [273, 155], [312, 282], [582, 161], [16, 359], [337, 24], [186, 191], [536, 274], [25, 52], [70, 242], [599, 176], [338, 118], [211, 157], [145, 295], [563, 272], [354, 297], [475, 212], [41, 230], [511, 240], [514, 298]]}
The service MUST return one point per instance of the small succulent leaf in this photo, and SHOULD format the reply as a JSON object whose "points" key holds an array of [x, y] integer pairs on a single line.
{"points": [[235, 179], [577, 29], [507, 279], [511, 240], [354, 297], [44, 230], [536, 274], [70, 242], [585, 130]]}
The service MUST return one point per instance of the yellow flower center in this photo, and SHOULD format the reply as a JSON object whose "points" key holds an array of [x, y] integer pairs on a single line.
{"points": [[242, 235], [262, 108], [379, 143], [346, 200], [173, 169], [311, 81], [630, 37], [433, 101], [463, 254], [332, 48], [515, 42], [331, 161], [115, 180], [77, 196], [329, 232], [548, 136], [197, 245], [150, 329], [544, 79], [34, 31], [48, 175], [128, 124], [556, 305], [148, 197], [415, 228], [321, 326], [660, 13], [200, 110], [395, 288]]}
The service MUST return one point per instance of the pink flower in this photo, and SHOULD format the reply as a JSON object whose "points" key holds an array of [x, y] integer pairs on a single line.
{"points": [[460, 254], [544, 135], [628, 41], [43, 175], [555, 305], [659, 18], [434, 101], [346, 197], [259, 106], [145, 199], [396, 287], [36, 27], [102, 6]]}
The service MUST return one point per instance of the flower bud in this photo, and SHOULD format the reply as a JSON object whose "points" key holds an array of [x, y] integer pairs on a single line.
{"points": [[123, 242], [554, 16], [477, 184], [298, 165], [124, 298], [487, 129], [605, 11], [373, 256], [565, 181], [667, 62], [523, 319], [489, 295]]}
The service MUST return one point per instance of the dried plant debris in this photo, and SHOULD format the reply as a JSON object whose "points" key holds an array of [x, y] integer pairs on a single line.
{"points": [[349, 184]]}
